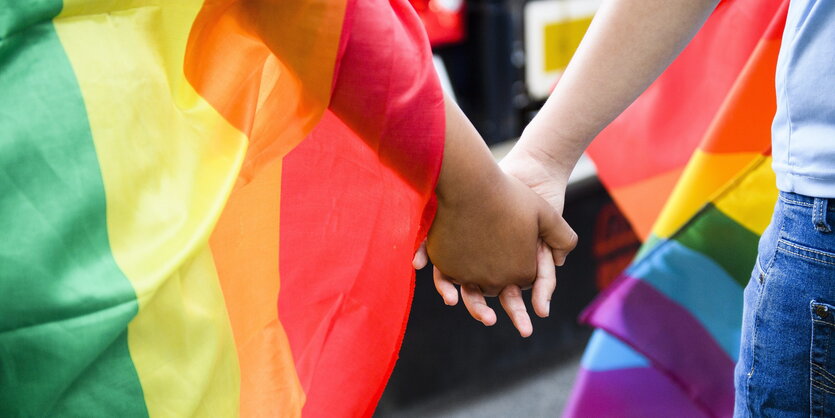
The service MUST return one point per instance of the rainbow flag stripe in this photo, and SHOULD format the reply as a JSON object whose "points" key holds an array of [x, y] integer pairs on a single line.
{"points": [[663, 128], [168, 166], [673, 318]]}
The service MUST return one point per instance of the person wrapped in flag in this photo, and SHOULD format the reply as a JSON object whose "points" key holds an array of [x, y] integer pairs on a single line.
{"points": [[785, 365], [210, 208]]}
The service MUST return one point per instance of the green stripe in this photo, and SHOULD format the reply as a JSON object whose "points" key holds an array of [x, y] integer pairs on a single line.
{"points": [[64, 303], [719, 237]]}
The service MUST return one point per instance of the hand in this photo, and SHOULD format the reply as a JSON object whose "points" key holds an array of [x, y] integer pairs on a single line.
{"points": [[485, 201], [536, 171], [489, 239], [486, 275], [549, 184], [510, 296]]}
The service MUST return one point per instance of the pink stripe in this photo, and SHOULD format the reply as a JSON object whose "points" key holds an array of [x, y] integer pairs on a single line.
{"points": [[674, 341], [634, 392]]}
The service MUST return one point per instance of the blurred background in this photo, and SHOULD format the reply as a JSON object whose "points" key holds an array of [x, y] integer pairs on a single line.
{"points": [[500, 59]]}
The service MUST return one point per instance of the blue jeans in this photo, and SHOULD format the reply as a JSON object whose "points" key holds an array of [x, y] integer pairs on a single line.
{"points": [[787, 357]]}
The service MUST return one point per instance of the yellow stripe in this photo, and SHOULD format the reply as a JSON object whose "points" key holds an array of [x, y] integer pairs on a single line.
{"points": [[168, 161], [752, 208], [704, 177]]}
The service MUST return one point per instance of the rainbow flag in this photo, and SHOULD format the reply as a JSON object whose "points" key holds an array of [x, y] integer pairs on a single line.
{"points": [[661, 130], [168, 166], [669, 328]]}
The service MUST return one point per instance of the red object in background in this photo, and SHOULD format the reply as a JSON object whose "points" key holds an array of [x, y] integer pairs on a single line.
{"points": [[443, 20], [615, 245]]}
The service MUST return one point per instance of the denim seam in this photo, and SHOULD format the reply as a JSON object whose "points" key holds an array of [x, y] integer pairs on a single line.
{"points": [[771, 261], [824, 374], [823, 322], [811, 250], [804, 204], [757, 319], [820, 210], [796, 202], [821, 380], [823, 384], [820, 223], [822, 387], [817, 382], [806, 256]]}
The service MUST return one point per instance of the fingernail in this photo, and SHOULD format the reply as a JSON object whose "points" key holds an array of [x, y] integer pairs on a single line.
{"points": [[548, 309]]}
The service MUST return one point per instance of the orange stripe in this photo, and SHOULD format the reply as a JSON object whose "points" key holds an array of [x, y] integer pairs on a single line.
{"points": [[245, 247], [741, 127], [642, 201], [269, 73]]}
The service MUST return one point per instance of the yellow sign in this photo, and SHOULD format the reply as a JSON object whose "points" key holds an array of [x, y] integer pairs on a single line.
{"points": [[561, 39]]}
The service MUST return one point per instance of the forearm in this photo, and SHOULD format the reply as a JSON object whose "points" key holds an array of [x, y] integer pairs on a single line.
{"points": [[468, 170], [488, 224], [628, 45]]}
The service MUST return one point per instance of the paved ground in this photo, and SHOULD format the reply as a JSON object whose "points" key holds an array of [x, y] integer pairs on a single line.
{"points": [[541, 395]]}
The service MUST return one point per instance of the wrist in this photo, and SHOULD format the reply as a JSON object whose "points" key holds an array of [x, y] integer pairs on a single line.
{"points": [[531, 158], [463, 183]]}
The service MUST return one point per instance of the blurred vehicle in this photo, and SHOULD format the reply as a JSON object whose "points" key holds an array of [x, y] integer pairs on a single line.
{"points": [[443, 19], [503, 57]]}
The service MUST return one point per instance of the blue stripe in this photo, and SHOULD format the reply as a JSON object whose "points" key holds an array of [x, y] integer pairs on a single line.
{"points": [[606, 352], [700, 285]]}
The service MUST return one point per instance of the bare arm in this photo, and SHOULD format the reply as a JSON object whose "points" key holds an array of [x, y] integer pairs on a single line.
{"points": [[629, 44]]}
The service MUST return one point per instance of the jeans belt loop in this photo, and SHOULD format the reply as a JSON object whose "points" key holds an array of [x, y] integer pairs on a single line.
{"points": [[819, 212]]}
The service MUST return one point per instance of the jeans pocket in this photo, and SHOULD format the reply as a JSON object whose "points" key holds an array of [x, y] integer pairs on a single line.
{"points": [[822, 360], [807, 253]]}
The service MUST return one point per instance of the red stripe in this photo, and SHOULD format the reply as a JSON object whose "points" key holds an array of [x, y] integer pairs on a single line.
{"points": [[356, 194], [663, 127], [346, 276]]}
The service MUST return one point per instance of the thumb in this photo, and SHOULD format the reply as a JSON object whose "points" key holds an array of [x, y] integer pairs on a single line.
{"points": [[556, 232], [421, 259]]}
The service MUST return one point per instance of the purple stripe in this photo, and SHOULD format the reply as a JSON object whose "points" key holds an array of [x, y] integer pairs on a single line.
{"points": [[674, 341], [636, 392]]}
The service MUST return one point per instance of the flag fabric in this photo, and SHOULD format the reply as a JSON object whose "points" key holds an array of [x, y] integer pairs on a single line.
{"points": [[663, 127], [210, 208], [669, 328]]}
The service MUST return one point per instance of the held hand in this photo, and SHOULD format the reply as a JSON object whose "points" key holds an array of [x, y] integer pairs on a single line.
{"points": [[486, 228], [490, 240], [510, 296], [488, 276], [537, 172]]}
